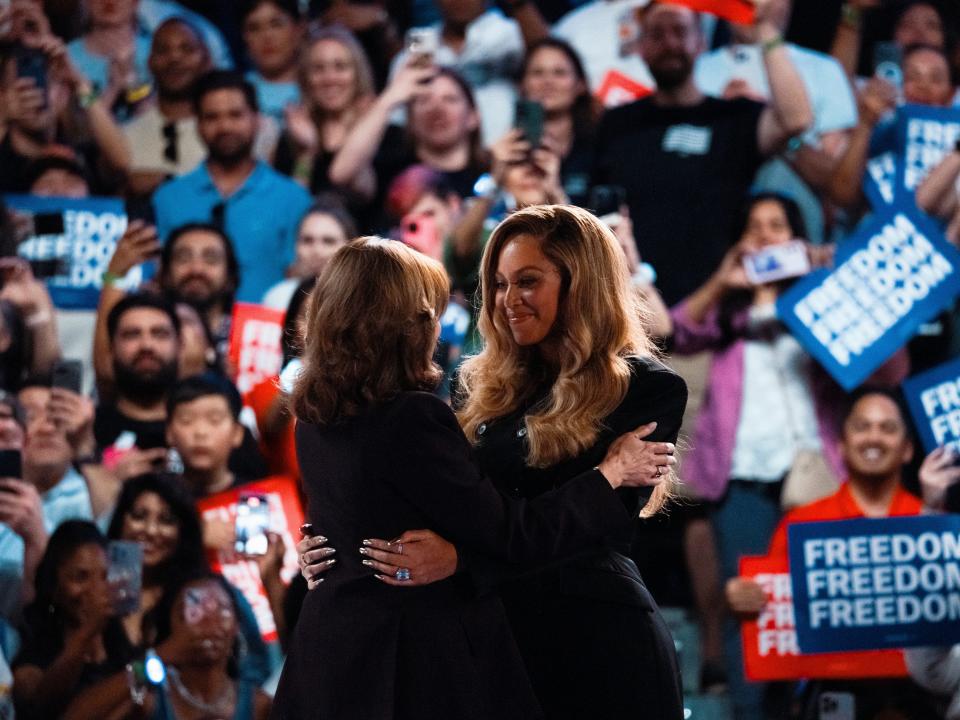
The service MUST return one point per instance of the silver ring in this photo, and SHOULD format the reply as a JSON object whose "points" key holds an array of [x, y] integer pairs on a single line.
{"points": [[303, 559], [659, 471], [207, 643], [402, 574], [399, 548]]}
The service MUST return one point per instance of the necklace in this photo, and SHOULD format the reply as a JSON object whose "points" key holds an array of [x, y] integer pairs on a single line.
{"points": [[216, 707]]}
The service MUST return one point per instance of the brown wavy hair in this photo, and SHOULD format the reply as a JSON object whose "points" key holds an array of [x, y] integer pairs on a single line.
{"points": [[369, 330], [599, 327]]}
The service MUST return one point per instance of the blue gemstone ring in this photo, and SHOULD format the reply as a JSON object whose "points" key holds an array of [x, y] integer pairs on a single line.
{"points": [[402, 574]]}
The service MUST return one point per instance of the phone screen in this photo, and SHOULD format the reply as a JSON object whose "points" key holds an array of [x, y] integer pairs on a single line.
{"points": [[11, 465], [252, 524], [529, 120], [125, 574], [68, 375]]}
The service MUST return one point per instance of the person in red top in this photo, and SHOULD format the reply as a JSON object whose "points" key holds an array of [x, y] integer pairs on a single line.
{"points": [[875, 445]]}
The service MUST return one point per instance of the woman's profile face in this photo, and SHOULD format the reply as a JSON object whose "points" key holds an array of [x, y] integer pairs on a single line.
{"points": [[527, 286], [150, 521], [331, 75], [767, 225], [551, 80]]}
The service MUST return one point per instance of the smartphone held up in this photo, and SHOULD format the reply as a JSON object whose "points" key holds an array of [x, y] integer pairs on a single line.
{"points": [[777, 262]]}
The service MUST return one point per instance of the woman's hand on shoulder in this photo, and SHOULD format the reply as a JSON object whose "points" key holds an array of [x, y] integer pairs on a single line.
{"points": [[418, 557], [313, 557], [633, 461]]}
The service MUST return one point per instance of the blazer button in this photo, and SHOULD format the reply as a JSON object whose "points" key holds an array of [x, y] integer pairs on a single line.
{"points": [[481, 429], [522, 433]]}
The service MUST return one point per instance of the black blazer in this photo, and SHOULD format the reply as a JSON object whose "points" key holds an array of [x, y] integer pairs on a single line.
{"points": [[594, 605], [365, 650]]}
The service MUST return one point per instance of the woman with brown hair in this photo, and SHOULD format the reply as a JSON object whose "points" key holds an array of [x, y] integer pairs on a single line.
{"points": [[566, 368], [336, 88], [378, 455]]}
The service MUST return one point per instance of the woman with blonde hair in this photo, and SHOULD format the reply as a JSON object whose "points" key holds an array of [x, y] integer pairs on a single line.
{"points": [[377, 455], [565, 369], [336, 88]]}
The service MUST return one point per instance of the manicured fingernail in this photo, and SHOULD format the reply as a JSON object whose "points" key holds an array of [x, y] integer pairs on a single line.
{"points": [[381, 578], [367, 563], [329, 551], [321, 539], [364, 551], [367, 542], [328, 563]]}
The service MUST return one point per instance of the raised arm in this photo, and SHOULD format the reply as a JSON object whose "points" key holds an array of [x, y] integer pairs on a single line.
{"points": [[873, 101], [356, 155], [937, 194], [789, 113]]}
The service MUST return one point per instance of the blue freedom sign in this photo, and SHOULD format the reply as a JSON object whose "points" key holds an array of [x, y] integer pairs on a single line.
{"points": [[873, 584], [74, 237], [891, 276], [934, 401], [925, 135]]}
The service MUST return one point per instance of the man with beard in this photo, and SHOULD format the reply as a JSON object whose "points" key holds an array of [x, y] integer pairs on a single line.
{"points": [[256, 207], [875, 445], [144, 333], [687, 160], [163, 139], [198, 267]]}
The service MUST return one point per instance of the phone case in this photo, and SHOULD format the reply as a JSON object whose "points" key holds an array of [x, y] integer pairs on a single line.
{"points": [[125, 574]]}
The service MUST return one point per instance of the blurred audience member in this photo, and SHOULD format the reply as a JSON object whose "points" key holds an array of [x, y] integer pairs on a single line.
{"points": [[442, 132], [874, 444], [926, 81], [200, 619], [324, 229], [56, 432], [272, 32], [269, 398], [203, 427], [231, 188], [737, 70], [112, 53], [686, 160], [336, 88], [485, 49], [918, 22], [72, 635], [553, 76]]}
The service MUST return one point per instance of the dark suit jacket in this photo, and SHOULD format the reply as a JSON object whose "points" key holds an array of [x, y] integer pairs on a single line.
{"points": [[368, 651], [589, 631]]}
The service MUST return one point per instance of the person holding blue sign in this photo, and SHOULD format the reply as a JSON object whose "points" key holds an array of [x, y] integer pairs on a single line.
{"points": [[875, 445], [926, 81], [769, 419]]}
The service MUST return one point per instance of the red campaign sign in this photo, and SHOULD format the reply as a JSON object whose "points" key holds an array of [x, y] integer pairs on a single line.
{"points": [[738, 11], [286, 517], [255, 350], [619, 89], [770, 650]]}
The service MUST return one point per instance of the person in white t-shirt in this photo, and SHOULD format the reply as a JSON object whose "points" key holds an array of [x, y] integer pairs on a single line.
{"points": [[737, 70]]}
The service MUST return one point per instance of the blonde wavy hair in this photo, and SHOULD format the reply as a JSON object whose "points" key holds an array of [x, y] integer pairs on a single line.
{"points": [[369, 330], [598, 325]]}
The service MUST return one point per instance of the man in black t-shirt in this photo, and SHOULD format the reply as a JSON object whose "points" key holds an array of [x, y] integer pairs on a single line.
{"points": [[687, 160]]}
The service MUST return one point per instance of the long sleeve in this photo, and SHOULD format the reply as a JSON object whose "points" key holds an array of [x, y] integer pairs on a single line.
{"points": [[466, 509]]}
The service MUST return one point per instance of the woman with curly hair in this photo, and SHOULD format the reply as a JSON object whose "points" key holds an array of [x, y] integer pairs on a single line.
{"points": [[566, 368]]}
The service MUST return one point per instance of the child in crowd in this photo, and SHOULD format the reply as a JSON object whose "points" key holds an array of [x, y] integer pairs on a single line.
{"points": [[203, 427]]}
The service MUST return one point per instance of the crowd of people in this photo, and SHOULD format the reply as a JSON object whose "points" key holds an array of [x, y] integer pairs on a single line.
{"points": [[249, 144]]}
